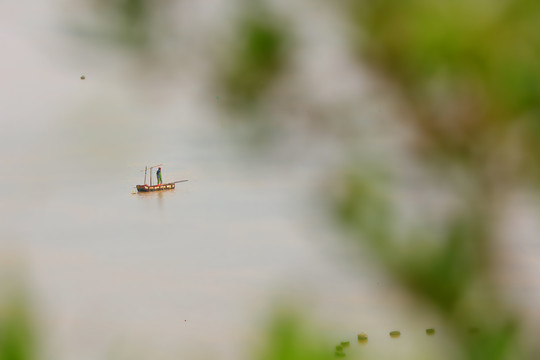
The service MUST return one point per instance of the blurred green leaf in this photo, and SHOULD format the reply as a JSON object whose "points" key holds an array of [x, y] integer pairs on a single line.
{"points": [[256, 58], [444, 274], [497, 343], [132, 24], [362, 205], [289, 339], [17, 338]]}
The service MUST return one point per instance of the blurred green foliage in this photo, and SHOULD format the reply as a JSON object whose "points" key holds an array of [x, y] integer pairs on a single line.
{"points": [[255, 59], [135, 15], [468, 70], [467, 74], [289, 339], [17, 337], [444, 270], [130, 23]]}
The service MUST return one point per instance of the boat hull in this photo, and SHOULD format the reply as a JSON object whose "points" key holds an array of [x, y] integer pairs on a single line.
{"points": [[148, 188]]}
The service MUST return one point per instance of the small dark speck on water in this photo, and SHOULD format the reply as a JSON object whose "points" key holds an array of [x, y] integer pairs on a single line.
{"points": [[83, 77]]}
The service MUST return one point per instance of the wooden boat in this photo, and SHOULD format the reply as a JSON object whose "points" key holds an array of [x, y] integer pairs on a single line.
{"points": [[168, 186], [145, 188], [148, 188]]}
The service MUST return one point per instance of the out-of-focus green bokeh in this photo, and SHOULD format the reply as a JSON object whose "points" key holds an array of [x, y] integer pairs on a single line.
{"points": [[463, 78], [289, 338], [255, 59], [18, 335], [466, 70]]}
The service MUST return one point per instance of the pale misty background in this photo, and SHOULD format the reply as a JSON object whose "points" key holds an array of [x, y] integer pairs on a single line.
{"points": [[191, 273]]}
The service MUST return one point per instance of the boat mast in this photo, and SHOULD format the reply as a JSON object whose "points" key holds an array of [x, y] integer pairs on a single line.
{"points": [[145, 174]]}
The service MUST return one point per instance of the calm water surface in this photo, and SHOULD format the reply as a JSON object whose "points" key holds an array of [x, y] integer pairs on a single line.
{"points": [[190, 273]]}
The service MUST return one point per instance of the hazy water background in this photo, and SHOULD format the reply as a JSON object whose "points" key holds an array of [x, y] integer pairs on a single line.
{"points": [[191, 271]]}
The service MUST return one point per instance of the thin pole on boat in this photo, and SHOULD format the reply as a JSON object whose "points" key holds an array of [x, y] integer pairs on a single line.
{"points": [[145, 175], [174, 182]]}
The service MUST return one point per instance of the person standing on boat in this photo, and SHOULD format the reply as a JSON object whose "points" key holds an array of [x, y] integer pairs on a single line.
{"points": [[159, 179]]}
